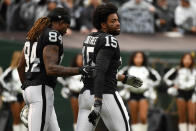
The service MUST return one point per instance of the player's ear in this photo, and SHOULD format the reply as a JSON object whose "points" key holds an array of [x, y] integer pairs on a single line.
{"points": [[103, 25]]}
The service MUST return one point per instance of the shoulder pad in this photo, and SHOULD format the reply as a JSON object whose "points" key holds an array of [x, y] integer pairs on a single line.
{"points": [[52, 37], [107, 41]]}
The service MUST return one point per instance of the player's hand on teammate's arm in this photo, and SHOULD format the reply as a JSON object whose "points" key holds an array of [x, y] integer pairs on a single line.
{"points": [[95, 111], [86, 70], [132, 81]]}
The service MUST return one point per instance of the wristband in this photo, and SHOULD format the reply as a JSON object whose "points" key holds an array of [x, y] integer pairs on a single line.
{"points": [[125, 79]]}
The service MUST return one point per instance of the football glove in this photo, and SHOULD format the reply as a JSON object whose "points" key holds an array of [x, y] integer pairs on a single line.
{"points": [[95, 112], [133, 81], [86, 70]]}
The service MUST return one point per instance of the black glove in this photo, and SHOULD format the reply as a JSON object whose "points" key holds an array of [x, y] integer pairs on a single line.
{"points": [[95, 112], [87, 70], [133, 81]]}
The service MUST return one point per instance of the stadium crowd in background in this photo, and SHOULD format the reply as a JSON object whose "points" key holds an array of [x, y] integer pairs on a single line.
{"points": [[164, 15]]}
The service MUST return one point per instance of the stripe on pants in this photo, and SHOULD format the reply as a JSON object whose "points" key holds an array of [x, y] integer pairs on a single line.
{"points": [[122, 112], [43, 108]]}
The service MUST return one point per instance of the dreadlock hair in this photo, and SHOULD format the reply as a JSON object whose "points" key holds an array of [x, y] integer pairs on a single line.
{"points": [[37, 28], [101, 14]]}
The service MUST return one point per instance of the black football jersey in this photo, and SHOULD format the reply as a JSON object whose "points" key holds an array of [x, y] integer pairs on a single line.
{"points": [[35, 71], [97, 46]]}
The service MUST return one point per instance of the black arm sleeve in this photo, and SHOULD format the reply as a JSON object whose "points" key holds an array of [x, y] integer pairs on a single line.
{"points": [[151, 75], [103, 59], [173, 75]]}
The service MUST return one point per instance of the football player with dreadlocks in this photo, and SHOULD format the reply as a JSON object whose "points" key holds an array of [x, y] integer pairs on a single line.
{"points": [[39, 67]]}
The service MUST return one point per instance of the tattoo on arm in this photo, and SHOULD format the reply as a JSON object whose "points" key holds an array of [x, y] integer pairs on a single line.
{"points": [[50, 56], [21, 68]]}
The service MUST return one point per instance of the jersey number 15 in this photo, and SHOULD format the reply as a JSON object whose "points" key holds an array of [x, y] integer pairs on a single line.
{"points": [[111, 41]]}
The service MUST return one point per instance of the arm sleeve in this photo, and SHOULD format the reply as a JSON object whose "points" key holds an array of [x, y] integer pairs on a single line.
{"points": [[2, 82], [170, 76], [155, 77], [123, 71], [102, 63], [16, 81], [5, 78]]}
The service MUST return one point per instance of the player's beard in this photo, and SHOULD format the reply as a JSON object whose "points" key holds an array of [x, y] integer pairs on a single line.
{"points": [[113, 31]]}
